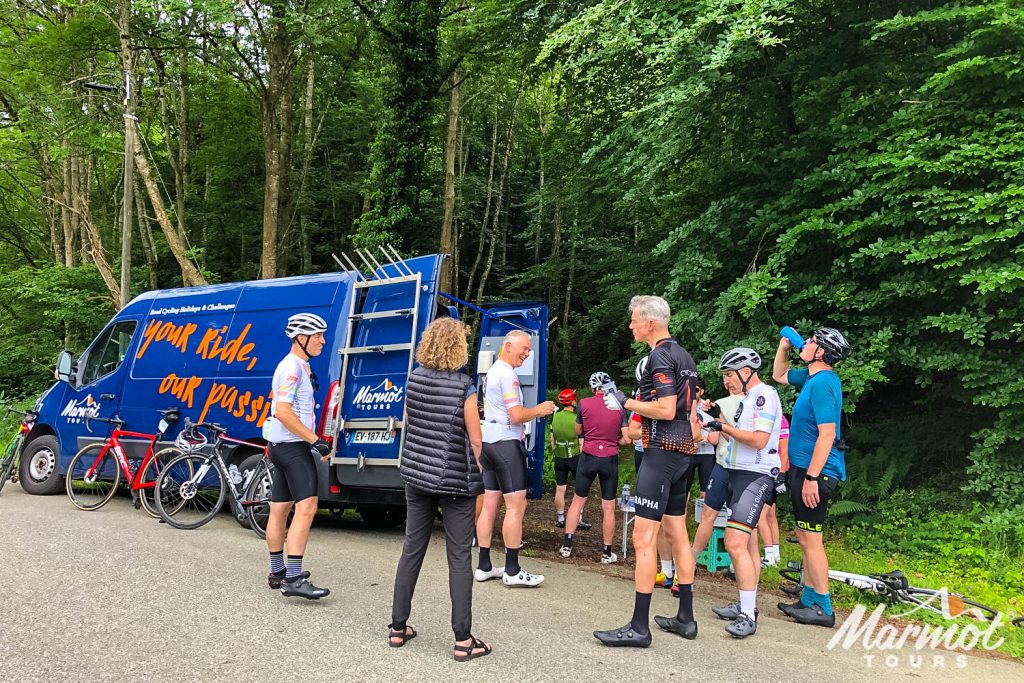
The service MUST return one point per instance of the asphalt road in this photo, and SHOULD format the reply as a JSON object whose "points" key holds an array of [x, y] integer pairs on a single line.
{"points": [[113, 595]]}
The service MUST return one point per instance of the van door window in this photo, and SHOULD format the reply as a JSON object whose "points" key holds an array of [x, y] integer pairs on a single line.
{"points": [[108, 351]]}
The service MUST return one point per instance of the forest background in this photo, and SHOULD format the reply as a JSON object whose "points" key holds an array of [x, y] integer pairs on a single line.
{"points": [[758, 163]]}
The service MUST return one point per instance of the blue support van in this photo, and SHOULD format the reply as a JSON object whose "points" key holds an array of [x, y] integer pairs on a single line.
{"points": [[211, 352]]}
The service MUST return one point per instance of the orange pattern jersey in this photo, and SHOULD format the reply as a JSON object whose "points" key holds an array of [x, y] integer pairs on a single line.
{"points": [[671, 372]]}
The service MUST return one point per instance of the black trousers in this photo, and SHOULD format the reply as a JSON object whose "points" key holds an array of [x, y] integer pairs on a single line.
{"points": [[459, 524]]}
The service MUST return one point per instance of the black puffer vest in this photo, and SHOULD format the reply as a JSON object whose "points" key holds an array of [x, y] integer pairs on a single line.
{"points": [[437, 457]]}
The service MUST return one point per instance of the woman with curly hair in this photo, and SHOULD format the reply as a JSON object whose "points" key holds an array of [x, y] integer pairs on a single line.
{"points": [[441, 468]]}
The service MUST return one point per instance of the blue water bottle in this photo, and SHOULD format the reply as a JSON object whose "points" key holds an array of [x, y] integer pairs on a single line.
{"points": [[793, 336]]}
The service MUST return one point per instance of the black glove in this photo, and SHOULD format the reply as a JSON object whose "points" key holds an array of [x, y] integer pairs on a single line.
{"points": [[713, 425], [320, 448], [780, 483], [714, 411]]}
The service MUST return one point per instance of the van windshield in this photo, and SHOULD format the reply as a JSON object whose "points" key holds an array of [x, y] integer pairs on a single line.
{"points": [[108, 351]]}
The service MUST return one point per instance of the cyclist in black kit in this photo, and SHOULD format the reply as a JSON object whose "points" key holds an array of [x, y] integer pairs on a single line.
{"points": [[667, 409]]}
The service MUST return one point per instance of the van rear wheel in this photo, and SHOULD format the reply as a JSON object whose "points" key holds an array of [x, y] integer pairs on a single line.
{"points": [[39, 473], [382, 516]]}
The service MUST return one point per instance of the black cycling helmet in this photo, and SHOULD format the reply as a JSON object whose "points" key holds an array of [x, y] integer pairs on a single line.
{"points": [[640, 367], [833, 344]]}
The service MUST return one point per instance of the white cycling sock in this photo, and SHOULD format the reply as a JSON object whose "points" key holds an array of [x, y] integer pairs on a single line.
{"points": [[668, 568], [771, 552], [748, 603]]}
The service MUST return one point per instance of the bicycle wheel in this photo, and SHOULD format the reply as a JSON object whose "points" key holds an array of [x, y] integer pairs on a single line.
{"points": [[951, 605], [191, 489], [91, 479], [257, 499], [152, 470], [7, 464]]}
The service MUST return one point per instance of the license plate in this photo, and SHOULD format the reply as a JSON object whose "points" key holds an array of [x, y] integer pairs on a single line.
{"points": [[381, 436]]}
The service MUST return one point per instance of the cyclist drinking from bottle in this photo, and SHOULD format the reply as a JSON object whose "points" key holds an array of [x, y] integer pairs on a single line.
{"points": [[816, 461], [293, 446]]}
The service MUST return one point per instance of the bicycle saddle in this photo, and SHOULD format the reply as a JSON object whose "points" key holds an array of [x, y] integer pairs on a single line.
{"points": [[895, 578]]}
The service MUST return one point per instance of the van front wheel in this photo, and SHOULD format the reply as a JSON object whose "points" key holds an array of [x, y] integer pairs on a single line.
{"points": [[39, 474]]}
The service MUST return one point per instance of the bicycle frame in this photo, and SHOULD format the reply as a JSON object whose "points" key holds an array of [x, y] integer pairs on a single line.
{"points": [[113, 442], [11, 459], [216, 459]]}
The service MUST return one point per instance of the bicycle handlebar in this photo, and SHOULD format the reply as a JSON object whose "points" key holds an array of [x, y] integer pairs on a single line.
{"points": [[212, 426], [117, 422], [26, 415]]}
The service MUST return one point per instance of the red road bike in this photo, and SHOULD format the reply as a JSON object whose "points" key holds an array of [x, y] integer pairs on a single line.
{"points": [[96, 470]]}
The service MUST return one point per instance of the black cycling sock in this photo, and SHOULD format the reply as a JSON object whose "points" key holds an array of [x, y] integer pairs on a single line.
{"points": [[641, 621], [512, 561], [485, 559], [607, 550], [685, 602], [567, 541]]}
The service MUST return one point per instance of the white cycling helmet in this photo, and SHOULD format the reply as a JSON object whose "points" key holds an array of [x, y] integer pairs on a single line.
{"points": [[640, 367], [305, 324], [598, 380], [740, 357], [190, 439]]}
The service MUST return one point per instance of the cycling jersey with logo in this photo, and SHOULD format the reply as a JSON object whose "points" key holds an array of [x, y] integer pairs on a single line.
{"points": [[563, 428], [290, 385], [759, 411], [503, 392], [670, 371], [819, 402]]}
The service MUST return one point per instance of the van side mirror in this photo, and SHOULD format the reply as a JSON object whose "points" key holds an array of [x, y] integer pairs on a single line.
{"points": [[65, 364]]}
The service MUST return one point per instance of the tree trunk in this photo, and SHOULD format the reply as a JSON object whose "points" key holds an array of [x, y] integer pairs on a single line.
{"points": [[500, 194], [487, 206], [48, 204], [305, 248], [190, 275], [146, 235], [67, 216], [554, 293], [128, 200], [94, 243], [279, 54], [448, 244], [572, 274]]}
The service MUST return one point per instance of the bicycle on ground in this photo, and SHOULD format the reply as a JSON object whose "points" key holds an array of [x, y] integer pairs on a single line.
{"points": [[11, 461], [895, 587], [193, 486], [96, 470]]}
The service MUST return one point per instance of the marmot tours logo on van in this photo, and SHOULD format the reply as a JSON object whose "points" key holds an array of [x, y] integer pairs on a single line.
{"points": [[380, 396], [75, 411]]}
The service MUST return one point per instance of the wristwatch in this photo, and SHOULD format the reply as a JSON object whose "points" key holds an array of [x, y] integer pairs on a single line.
{"points": [[810, 477]]}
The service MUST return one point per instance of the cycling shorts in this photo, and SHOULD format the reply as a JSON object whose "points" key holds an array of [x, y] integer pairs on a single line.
{"points": [[663, 484], [564, 467], [295, 476], [810, 519], [748, 494], [717, 493], [504, 464], [638, 457], [606, 469], [704, 463]]}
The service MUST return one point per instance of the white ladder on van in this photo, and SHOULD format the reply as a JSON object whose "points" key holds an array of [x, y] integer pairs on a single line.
{"points": [[393, 271]]}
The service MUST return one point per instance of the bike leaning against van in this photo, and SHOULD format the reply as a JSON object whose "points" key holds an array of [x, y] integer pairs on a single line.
{"points": [[96, 470], [11, 459], [192, 487]]}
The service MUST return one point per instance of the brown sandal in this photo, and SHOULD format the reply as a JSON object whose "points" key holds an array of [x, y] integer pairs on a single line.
{"points": [[474, 644], [406, 633]]}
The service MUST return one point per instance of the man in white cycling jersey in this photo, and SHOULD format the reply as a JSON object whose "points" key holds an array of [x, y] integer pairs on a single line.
{"points": [[747, 480], [504, 461]]}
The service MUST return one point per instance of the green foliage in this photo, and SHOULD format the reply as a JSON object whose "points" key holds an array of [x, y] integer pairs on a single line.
{"points": [[44, 310]]}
